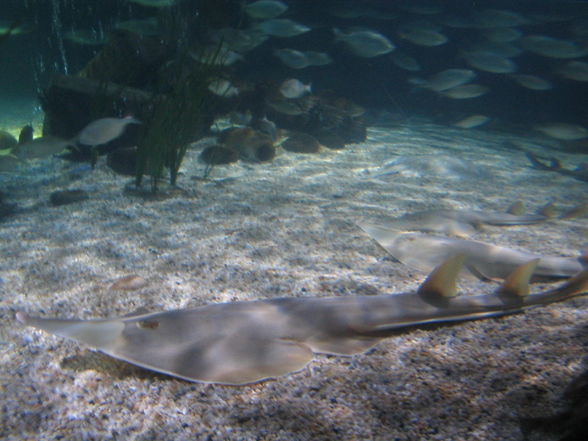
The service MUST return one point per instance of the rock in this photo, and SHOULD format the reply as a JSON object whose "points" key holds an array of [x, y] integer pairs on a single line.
{"points": [[7, 141], [251, 144], [218, 154], [301, 143], [26, 134], [129, 283], [65, 197]]}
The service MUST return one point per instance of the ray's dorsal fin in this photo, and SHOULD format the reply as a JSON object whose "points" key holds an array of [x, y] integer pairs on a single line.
{"points": [[576, 285], [548, 211], [577, 211], [516, 286], [517, 208], [441, 284]]}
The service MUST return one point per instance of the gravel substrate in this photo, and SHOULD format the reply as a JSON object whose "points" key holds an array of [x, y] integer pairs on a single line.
{"points": [[283, 229]]}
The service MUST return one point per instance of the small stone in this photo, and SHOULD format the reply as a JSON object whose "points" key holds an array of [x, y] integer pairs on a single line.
{"points": [[218, 154], [301, 143], [129, 283], [66, 197]]}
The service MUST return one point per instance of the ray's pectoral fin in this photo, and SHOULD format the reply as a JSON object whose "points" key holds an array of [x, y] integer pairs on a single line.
{"points": [[257, 360], [231, 360], [234, 358], [339, 345]]}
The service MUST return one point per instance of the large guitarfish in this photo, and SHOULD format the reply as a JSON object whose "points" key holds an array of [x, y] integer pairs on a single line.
{"points": [[245, 342], [462, 222], [482, 260]]}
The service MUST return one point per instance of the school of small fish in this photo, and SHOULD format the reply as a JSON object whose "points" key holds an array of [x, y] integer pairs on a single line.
{"points": [[485, 42]]}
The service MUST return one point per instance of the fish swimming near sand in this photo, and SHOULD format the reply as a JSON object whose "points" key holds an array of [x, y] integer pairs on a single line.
{"points": [[246, 342], [463, 222], [265, 9], [281, 27], [294, 88], [104, 130], [482, 260], [365, 43], [580, 173], [43, 147], [563, 131]]}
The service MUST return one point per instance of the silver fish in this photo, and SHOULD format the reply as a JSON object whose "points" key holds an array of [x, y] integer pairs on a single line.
{"points": [[238, 40], [104, 130], [223, 88], [532, 82], [405, 62], [264, 9], [367, 44], [315, 58], [489, 62], [144, 26], [42, 147], [246, 342], [215, 56], [552, 47], [292, 58], [465, 91], [496, 18], [446, 79], [294, 88], [282, 27], [472, 121], [155, 3], [574, 70], [423, 37], [86, 37], [563, 131]]}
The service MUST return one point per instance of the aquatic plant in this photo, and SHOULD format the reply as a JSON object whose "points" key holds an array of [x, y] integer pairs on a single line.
{"points": [[173, 120]]}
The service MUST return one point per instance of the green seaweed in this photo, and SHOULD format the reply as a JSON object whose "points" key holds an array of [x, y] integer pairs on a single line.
{"points": [[173, 120]]}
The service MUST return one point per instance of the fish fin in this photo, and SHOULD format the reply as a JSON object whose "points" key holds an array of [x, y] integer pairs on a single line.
{"points": [[576, 285], [383, 236], [343, 345], [548, 210], [554, 164], [516, 208], [231, 360], [516, 285], [577, 211], [141, 310], [441, 284], [584, 258]]}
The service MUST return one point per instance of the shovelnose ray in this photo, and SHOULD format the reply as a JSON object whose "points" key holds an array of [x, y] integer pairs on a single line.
{"points": [[482, 260], [246, 342], [463, 222]]}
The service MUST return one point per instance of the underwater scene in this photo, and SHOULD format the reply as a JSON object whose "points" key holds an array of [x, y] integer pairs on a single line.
{"points": [[294, 220]]}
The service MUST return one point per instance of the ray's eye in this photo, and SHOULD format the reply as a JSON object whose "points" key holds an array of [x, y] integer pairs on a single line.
{"points": [[148, 324]]}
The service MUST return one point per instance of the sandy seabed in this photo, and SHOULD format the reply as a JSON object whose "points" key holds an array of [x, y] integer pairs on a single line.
{"points": [[286, 228]]}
